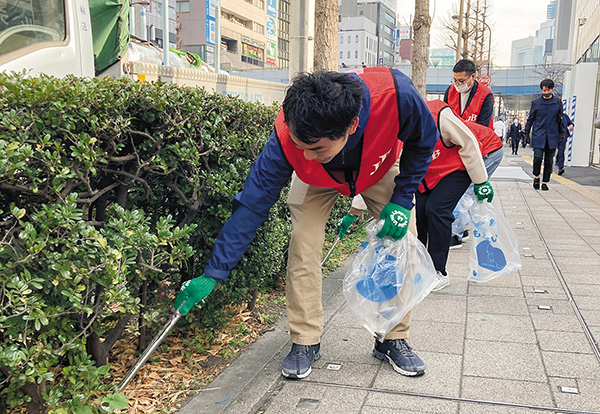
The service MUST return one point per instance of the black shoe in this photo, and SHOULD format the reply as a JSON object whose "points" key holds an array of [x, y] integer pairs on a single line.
{"points": [[398, 353], [455, 243], [545, 187], [561, 171], [297, 363], [465, 235], [536, 183]]}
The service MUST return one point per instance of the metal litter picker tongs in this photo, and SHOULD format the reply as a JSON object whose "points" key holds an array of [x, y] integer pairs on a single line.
{"points": [[337, 240], [150, 349]]}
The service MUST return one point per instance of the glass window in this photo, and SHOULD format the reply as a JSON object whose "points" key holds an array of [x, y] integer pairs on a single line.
{"points": [[348, 54], [182, 7], [27, 22], [341, 39], [259, 28], [341, 55], [356, 53], [356, 39], [349, 37], [390, 18]]}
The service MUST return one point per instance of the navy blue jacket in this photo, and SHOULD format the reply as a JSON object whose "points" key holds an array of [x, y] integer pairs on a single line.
{"points": [[566, 121], [514, 131], [271, 172], [544, 122]]}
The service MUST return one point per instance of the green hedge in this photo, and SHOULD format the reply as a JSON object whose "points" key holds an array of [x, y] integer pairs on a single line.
{"points": [[112, 193]]}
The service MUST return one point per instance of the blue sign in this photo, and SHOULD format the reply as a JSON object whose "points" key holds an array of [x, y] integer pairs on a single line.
{"points": [[272, 8], [211, 13], [271, 28]]}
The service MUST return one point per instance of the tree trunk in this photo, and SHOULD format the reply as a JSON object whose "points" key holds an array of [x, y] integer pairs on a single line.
{"points": [[326, 34], [420, 57], [98, 348]]}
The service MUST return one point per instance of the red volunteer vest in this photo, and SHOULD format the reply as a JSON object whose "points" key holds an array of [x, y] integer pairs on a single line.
{"points": [[474, 107], [444, 160], [488, 140], [381, 146]]}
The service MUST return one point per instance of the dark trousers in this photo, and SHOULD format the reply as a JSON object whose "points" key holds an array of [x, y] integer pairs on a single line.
{"points": [[547, 155], [434, 215], [560, 154], [514, 143]]}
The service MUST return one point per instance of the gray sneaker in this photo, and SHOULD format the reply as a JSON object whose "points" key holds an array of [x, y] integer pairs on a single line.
{"points": [[296, 364], [442, 281], [400, 355]]}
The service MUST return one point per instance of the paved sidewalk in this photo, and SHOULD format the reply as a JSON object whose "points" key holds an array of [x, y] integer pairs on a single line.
{"points": [[507, 346]]}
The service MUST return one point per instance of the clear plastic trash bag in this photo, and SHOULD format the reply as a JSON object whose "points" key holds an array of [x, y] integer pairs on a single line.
{"points": [[386, 280], [495, 250], [462, 220]]}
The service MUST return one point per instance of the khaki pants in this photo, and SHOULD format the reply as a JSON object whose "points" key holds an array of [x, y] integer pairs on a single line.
{"points": [[309, 208]]}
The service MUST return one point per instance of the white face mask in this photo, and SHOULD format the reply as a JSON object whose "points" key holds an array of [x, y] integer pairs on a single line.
{"points": [[464, 88], [516, 122]]}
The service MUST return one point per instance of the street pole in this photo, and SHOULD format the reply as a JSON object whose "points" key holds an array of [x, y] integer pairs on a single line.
{"points": [[459, 40], [489, 48], [165, 32], [218, 37], [143, 24]]}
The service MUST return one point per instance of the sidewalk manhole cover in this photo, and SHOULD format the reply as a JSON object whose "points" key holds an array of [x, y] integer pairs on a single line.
{"points": [[308, 403]]}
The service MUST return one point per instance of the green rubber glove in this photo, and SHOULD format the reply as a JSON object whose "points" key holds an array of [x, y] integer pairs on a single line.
{"points": [[344, 224], [484, 191], [192, 292], [396, 221]]}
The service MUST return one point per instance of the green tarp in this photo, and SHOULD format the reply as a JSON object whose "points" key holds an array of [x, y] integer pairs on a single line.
{"points": [[110, 30]]}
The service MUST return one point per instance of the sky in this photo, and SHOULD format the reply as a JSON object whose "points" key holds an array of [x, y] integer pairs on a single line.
{"points": [[509, 20]]}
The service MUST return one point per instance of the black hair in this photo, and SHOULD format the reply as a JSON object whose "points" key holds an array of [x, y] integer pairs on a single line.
{"points": [[322, 105], [548, 83], [464, 65]]}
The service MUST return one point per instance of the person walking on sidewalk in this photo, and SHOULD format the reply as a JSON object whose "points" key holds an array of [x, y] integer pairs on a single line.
{"points": [[500, 128], [514, 134], [456, 162], [567, 127], [337, 133], [545, 124]]}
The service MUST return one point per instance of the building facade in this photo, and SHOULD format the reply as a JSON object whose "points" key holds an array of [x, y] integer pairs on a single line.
{"points": [[386, 26], [357, 42], [522, 52], [254, 34], [146, 21]]}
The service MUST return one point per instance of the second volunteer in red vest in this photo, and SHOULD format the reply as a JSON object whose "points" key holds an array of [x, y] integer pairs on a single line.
{"points": [[456, 162]]}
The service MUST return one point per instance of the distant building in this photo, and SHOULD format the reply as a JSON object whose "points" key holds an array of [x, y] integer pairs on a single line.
{"points": [[386, 25], [544, 38], [522, 52], [357, 42], [536, 50], [153, 15], [254, 33], [551, 10], [561, 52]]}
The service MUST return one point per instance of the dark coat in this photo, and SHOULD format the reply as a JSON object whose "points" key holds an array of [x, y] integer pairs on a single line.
{"points": [[544, 122], [514, 131]]}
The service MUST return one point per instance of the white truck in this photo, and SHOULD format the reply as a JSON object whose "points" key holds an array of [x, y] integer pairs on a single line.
{"points": [[91, 38]]}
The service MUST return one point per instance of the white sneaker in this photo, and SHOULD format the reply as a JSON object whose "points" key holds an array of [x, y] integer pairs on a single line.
{"points": [[442, 281]]}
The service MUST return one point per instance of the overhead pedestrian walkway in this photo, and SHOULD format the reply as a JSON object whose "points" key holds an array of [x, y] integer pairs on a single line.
{"points": [[526, 343]]}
